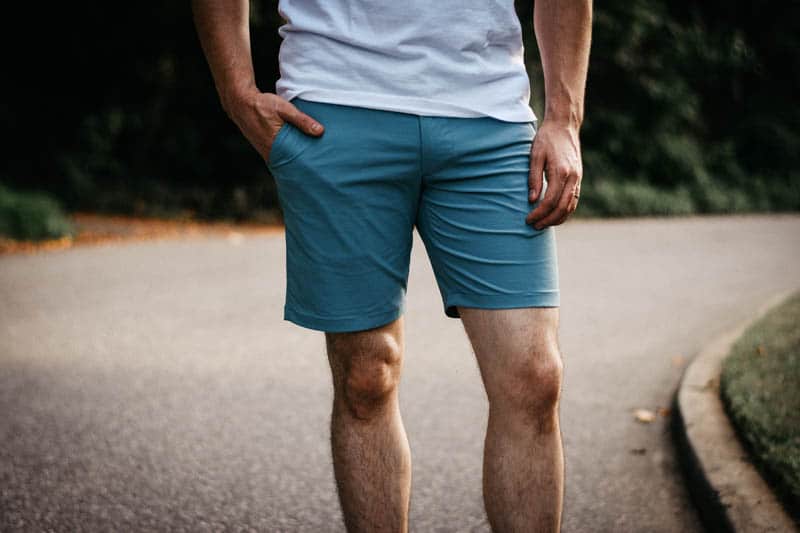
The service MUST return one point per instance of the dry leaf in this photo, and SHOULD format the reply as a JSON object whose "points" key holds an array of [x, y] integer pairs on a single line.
{"points": [[761, 350], [639, 451], [644, 415], [235, 238], [711, 385], [664, 411]]}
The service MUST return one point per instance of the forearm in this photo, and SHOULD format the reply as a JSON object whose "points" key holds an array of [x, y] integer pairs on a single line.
{"points": [[563, 32], [224, 32]]}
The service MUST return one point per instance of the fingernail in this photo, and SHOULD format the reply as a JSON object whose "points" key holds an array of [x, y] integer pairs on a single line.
{"points": [[316, 127]]}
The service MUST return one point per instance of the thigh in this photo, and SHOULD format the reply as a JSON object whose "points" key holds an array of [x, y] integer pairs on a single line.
{"points": [[472, 218], [348, 200]]}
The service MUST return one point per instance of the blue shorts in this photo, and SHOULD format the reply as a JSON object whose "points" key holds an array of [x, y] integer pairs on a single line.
{"points": [[352, 197]]}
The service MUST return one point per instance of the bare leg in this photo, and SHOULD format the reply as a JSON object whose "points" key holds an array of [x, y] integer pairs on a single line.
{"points": [[520, 363], [371, 455]]}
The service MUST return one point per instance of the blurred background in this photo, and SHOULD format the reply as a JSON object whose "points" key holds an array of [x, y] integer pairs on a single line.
{"points": [[110, 108]]}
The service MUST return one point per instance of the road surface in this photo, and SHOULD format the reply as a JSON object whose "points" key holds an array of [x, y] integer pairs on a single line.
{"points": [[154, 386]]}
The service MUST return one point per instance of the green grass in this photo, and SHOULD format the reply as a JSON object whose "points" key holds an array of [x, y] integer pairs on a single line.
{"points": [[760, 387], [31, 216]]}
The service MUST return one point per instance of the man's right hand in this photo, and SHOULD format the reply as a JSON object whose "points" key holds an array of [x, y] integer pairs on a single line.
{"points": [[260, 116], [224, 32]]}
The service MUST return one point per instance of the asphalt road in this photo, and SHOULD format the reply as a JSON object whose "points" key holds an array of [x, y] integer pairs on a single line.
{"points": [[154, 386]]}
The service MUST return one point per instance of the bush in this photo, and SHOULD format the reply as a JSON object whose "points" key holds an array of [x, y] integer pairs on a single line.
{"points": [[31, 216], [683, 102], [683, 98], [615, 199]]}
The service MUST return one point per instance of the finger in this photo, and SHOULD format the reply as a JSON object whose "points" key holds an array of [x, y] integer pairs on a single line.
{"points": [[573, 205], [535, 179], [555, 184], [562, 209], [561, 212], [307, 124]]}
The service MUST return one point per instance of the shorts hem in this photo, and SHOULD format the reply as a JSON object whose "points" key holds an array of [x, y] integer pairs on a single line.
{"points": [[500, 301], [341, 324]]}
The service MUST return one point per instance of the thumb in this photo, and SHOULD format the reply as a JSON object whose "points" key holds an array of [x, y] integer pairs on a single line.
{"points": [[307, 124], [536, 175]]}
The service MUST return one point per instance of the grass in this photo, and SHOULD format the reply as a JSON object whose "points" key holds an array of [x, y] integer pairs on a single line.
{"points": [[760, 387], [31, 216]]}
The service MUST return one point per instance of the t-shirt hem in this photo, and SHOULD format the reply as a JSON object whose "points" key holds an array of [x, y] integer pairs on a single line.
{"points": [[408, 104]]}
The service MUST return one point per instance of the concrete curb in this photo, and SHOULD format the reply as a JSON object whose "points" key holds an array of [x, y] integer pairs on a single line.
{"points": [[728, 490]]}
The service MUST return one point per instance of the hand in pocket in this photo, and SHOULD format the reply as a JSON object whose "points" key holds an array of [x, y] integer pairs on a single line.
{"points": [[261, 115]]}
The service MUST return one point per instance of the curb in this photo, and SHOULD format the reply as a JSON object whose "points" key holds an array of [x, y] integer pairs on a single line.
{"points": [[727, 489]]}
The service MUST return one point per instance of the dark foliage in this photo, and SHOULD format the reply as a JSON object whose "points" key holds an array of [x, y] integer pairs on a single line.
{"points": [[116, 110], [692, 101], [690, 107]]}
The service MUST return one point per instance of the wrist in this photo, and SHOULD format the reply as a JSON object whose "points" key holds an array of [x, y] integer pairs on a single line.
{"points": [[236, 95], [569, 115]]}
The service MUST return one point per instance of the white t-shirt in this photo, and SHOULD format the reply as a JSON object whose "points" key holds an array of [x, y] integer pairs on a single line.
{"points": [[459, 58]]}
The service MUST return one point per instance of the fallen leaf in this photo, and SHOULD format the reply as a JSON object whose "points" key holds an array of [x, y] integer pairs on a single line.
{"points": [[639, 451], [235, 238], [711, 385], [94, 229], [644, 415], [664, 411], [761, 350]]}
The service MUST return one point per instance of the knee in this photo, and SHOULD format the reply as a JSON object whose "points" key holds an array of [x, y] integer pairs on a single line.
{"points": [[368, 371], [531, 387]]}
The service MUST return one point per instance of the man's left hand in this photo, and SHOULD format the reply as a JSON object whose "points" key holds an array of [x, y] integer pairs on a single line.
{"points": [[556, 151]]}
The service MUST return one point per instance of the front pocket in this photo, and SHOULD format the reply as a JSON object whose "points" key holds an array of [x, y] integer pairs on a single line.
{"points": [[273, 158], [289, 144]]}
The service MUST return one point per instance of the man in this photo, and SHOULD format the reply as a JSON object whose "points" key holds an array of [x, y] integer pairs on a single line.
{"points": [[395, 115]]}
